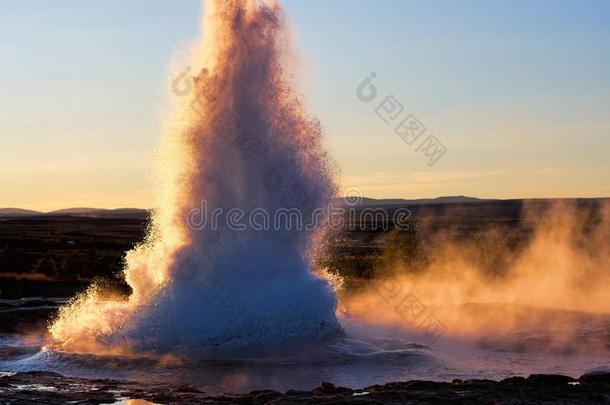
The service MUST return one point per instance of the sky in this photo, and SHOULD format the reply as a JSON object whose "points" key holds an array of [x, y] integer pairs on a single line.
{"points": [[516, 92]]}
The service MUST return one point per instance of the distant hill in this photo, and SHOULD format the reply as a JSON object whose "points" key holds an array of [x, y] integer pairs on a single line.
{"points": [[101, 213], [360, 202], [77, 212], [142, 213], [370, 202], [17, 212]]}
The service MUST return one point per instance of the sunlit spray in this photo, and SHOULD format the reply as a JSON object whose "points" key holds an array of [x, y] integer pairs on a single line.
{"points": [[241, 138]]}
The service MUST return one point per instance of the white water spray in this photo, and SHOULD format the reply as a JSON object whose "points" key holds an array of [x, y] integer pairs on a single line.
{"points": [[242, 139]]}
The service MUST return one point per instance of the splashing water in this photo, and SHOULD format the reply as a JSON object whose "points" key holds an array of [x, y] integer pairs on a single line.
{"points": [[240, 139]]}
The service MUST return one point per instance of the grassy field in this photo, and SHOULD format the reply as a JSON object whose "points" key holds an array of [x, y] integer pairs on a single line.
{"points": [[59, 255]]}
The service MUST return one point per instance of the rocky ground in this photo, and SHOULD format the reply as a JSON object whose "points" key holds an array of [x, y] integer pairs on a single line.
{"points": [[52, 388], [27, 315]]}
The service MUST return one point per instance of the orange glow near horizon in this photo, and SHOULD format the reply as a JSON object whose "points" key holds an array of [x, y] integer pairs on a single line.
{"points": [[46, 200]]}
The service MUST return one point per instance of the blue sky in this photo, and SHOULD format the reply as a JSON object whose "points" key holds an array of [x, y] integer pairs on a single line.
{"points": [[518, 92]]}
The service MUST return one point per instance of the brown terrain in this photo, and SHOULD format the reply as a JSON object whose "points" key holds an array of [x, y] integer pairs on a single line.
{"points": [[58, 255], [46, 257]]}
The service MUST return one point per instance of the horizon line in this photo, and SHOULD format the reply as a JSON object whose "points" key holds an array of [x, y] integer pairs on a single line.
{"points": [[341, 197]]}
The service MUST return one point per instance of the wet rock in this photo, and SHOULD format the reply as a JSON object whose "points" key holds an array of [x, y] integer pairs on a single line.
{"points": [[513, 380], [327, 388], [550, 379], [53, 388], [27, 319], [602, 377], [7, 352], [188, 388]]}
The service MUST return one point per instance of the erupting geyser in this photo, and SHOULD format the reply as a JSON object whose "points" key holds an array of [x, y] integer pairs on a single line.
{"points": [[241, 140]]}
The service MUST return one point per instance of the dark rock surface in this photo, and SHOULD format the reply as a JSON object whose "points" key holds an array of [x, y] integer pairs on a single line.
{"points": [[23, 316], [52, 388]]}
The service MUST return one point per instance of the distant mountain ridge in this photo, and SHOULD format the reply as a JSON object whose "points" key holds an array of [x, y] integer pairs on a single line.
{"points": [[77, 212], [345, 201], [365, 201], [99, 212], [143, 213], [18, 212]]}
